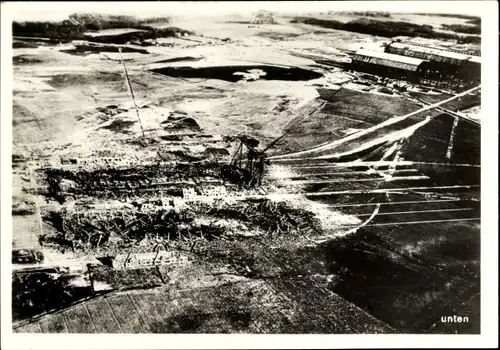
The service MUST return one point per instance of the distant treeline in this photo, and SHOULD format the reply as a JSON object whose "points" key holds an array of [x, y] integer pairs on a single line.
{"points": [[476, 21], [367, 13], [461, 28], [451, 15], [386, 28], [76, 25]]}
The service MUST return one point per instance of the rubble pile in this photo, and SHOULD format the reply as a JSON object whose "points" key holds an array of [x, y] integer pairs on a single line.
{"points": [[200, 220], [271, 217], [92, 229], [106, 181]]}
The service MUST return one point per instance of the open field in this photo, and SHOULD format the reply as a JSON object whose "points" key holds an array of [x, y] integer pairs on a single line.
{"points": [[260, 306]]}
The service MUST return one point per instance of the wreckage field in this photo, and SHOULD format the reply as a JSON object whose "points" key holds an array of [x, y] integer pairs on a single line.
{"points": [[90, 229]]}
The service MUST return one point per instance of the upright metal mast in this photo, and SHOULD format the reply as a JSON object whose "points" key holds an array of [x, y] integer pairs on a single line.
{"points": [[131, 91]]}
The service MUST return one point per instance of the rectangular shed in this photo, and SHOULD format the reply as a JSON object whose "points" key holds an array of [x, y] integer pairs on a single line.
{"points": [[430, 53], [386, 64], [442, 68]]}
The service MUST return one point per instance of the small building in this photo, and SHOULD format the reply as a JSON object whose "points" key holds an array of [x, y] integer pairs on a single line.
{"points": [[152, 133], [140, 260], [160, 258], [189, 194], [119, 261], [167, 202], [263, 17], [147, 206], [171, 258], [215, 191], [134, 260]]}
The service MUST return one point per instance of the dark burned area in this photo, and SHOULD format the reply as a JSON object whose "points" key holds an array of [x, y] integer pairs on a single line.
{"points": [[87, 49], [227, 73], [90, 181], [62, 80], [410, 292], [194, 320], [180, 59], [119, 125], [179, 123], [26, 59], [467, 151], [35, 293]]}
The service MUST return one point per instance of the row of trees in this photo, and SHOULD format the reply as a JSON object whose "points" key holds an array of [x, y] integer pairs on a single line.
{"points": [[77, 25], [386, 29]]}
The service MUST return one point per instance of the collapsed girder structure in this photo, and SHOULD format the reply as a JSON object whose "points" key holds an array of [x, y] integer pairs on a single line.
{"points": [[248, 172]]}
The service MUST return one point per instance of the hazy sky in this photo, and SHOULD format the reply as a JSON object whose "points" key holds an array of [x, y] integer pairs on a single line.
{"points": [[61, 10]]}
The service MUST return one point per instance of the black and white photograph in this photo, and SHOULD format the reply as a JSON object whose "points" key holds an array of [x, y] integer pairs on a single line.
{"points": [[248, 168]]}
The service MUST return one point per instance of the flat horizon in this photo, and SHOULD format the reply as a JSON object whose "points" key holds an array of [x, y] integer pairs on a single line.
{"points": [[42, 11]]}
